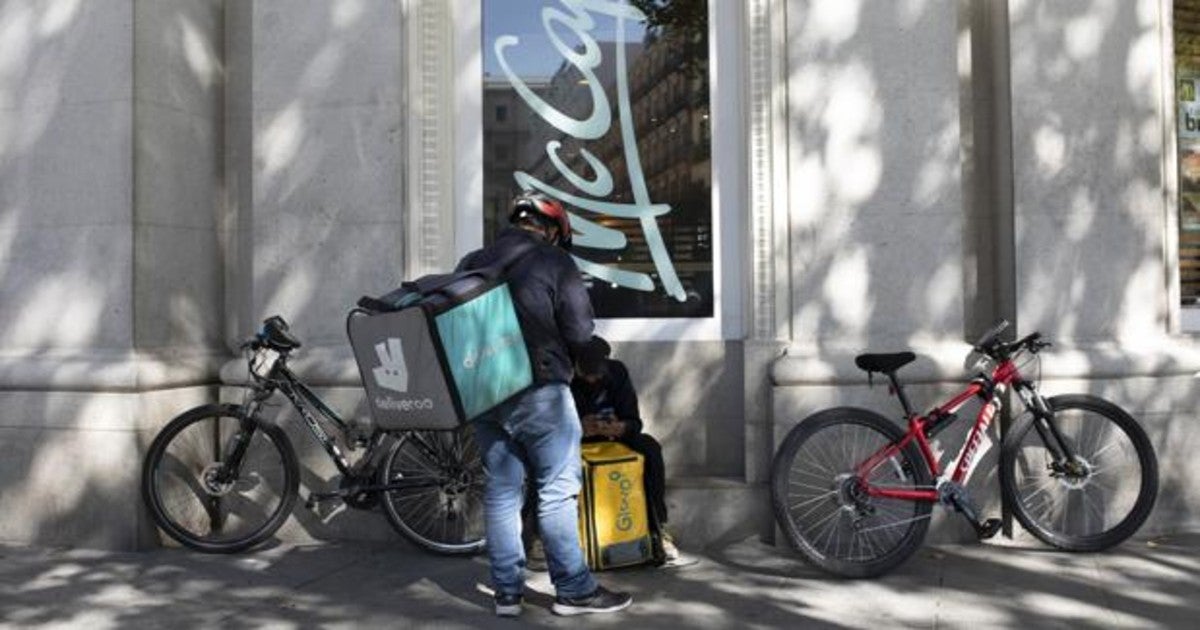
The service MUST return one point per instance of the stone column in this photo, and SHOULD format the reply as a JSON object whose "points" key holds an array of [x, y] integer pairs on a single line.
{"points": [[875, 165], [1091, 220], [876, 219], [1087, 167], [108, 277], [316, 208], [319, 214]]}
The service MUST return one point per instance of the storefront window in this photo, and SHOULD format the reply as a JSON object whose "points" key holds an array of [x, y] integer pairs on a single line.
{"points": [[607, 109], [1187, 85]]}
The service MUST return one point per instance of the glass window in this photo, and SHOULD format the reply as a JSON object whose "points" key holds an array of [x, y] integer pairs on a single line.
{"points": [[1187, 80], [607, 111]]}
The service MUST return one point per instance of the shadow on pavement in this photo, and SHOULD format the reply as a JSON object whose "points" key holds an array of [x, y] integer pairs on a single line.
{"points": [[1144, 583]]}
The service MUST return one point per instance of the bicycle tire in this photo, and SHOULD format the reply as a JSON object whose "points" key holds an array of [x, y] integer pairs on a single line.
{"points": [[817, 451], [445, 516], [1134, 498], [200, 514]]}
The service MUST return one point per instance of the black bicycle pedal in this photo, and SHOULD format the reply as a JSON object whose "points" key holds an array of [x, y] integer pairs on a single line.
{"points": [[325, 505], [988, 528]]}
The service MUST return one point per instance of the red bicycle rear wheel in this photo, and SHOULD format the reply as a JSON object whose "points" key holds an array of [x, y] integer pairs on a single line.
{"points": [[819, 502]]}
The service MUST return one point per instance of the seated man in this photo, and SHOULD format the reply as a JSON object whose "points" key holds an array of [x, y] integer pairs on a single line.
{"points": [[608, 407]]}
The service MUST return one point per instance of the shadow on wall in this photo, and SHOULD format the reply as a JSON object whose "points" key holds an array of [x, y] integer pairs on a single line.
{"points": [[324, 224], [877, 204]]}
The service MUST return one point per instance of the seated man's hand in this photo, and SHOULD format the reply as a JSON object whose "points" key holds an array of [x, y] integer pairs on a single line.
{"points": [[612, 429]]}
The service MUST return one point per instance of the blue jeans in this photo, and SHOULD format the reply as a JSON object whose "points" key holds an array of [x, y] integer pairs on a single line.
{"points": [[538, 429]]}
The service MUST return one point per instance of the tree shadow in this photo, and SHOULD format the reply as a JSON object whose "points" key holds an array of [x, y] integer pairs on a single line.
{"points": [[745, 584]]}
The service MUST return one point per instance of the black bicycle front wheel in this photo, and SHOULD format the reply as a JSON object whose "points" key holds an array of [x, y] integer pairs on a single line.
{"points": [[1095, 502], [820, 503], [201, 499], [434, 490]]}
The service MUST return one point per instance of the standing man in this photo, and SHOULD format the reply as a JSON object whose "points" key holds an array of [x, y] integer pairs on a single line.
{"points": [[539, 430]]}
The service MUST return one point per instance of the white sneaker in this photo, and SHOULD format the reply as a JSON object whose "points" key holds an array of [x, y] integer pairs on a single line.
{"points": [[670, 551]]}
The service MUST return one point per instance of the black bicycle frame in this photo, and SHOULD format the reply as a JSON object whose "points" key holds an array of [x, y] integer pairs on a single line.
{"points": [[298, 394], [1043, 423], [305, 400]]}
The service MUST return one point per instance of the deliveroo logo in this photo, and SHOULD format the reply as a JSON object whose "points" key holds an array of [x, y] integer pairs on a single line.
{"points": [[392, 373]]}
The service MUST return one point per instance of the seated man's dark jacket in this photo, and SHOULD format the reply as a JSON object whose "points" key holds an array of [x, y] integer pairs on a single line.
{"points": [[613, 391], [553, 306]]}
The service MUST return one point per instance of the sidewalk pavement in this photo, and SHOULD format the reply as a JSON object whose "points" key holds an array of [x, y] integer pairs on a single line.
{"points": [[1145, 583]]}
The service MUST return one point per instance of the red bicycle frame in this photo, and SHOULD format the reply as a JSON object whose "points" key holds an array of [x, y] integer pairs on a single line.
{"points": [[1004, 375]]}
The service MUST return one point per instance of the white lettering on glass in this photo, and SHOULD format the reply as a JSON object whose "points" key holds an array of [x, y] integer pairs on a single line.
{"points": [[586, 58]]}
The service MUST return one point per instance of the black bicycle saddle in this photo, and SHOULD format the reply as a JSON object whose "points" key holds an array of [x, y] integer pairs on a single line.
{"points": [[884, 363]]}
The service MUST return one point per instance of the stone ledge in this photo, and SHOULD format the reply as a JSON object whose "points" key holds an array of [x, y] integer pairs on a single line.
{"points": [[708, 511], [317, 366], [939, 362], [107, 370]]}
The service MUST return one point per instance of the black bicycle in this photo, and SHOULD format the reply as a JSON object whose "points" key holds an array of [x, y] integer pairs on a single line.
{"points": [[221, 478]]}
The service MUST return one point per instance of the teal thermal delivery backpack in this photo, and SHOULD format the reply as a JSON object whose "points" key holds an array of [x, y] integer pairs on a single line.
{"points": [[440, 350]]}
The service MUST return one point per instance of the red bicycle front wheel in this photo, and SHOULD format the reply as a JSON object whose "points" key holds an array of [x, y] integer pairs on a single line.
{"points": [[1094, 502]]}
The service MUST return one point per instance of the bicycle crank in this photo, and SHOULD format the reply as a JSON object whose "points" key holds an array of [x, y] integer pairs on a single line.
{"points": [[956, 496]]}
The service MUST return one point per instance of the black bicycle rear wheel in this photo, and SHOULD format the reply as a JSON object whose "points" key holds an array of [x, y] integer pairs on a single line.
{"points": [[818, 499], [436, 484], [1097, 503], [199, 500]]}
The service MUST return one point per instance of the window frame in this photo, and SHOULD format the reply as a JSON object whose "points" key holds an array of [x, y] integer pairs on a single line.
{"points": [[728, 131]]}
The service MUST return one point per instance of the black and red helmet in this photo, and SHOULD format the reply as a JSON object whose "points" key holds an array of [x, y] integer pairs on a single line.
{"points": [[546, 210]]}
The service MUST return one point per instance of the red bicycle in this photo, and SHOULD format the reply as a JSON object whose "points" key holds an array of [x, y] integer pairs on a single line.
{"points": [[853, 492]]}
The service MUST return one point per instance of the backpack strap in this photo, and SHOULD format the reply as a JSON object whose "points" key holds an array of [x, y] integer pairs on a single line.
{"points": [[412, 291]]}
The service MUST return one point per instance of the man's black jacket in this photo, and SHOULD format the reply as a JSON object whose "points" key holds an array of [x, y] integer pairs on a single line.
{"points": [[552, 304], [614, 391]]}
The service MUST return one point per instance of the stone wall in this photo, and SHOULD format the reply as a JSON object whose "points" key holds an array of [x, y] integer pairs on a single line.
{"points": [[109, 279]]}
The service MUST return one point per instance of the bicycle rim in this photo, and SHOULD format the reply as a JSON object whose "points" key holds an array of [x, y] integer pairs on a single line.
{"points": [[196, 508], [818, 501], [441, 506], [1097, 505]]}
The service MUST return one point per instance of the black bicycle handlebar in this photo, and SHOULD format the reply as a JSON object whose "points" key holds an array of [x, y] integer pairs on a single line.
{"points": [[1031, 342], [991, 345], [991, 337]]}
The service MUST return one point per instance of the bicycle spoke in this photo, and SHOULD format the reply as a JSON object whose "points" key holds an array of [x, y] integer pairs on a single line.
{"points": [[819, 497], [1095, 508], [897, 524], [811, 487], [831, 528], [411, 455], [1096, 456], [814, 509], [817, 525], [823, 478]]}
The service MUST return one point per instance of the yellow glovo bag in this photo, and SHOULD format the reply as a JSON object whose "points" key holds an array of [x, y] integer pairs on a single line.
{"points": [[614, 526]]}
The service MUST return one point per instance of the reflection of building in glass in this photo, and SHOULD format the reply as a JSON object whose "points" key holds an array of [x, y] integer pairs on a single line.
{"points": [[507, 124], [670, 113]]}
